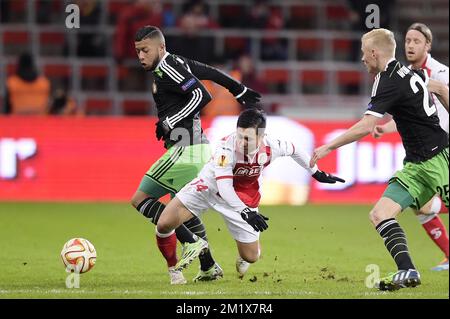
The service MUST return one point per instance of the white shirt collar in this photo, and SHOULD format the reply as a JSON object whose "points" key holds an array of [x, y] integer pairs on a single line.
{"points": [[427, 61], [163, 58]]}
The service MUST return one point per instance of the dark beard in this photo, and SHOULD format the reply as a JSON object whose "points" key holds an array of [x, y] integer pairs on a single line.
{"points": [[155, 63]]}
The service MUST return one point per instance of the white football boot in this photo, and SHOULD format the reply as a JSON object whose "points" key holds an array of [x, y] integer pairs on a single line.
{"points": [[176, 276], [241, 267]]}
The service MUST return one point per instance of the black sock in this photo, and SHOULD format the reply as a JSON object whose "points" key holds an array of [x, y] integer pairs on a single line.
{"points": [[152, 208], [395, 241], [196, 226], [184, 235]]}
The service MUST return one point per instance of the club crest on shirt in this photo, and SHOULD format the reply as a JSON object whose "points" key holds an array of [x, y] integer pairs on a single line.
{"points": [[262, 158], [222, 161]]}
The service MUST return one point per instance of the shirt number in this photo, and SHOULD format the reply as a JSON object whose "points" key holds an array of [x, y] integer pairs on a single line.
{"points": [[429, 110], [200, 186]]}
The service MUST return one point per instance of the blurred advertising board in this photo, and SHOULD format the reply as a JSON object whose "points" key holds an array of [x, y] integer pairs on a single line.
{"points": [[103, 159]]}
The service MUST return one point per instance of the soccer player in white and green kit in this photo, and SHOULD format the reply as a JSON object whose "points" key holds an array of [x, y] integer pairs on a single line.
{"points": [[403, 93], [179, 96]]}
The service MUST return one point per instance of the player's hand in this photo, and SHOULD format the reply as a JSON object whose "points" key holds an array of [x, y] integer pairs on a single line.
{"points": [[162, 129], [319, 153], [248, 97], [255, 219], [378, 131], [327, 178]]}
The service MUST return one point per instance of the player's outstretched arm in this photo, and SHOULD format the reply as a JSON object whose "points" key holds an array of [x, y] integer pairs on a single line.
{"points": [[380, 130], [244, 95], [364, 127], [303, 159]]}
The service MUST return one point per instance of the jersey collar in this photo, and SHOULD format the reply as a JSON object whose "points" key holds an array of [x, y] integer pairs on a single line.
{"points": [[424, 64], [162, 60], [427, 59], [389, 62]]}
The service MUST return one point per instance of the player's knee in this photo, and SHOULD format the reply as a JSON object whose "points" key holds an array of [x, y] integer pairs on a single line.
{"points": [[163, 225], [138, 198], [135, 202], [250, 256], [250, 259], [376, 216]]}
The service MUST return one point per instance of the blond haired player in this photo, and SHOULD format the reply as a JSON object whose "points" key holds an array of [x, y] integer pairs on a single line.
{"points": [[401, 92], [418, 43]]}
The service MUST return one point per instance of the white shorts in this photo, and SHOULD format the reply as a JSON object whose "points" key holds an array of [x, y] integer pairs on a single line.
{"points": [[198, 198]]}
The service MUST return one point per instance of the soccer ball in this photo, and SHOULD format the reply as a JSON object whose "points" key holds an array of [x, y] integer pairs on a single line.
{"points": [[78, 255]]}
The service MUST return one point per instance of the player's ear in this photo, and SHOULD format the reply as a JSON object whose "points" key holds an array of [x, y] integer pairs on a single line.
{"points": [[162, 47]]}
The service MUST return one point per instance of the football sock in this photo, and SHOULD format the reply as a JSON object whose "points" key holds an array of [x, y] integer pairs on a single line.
{"points": [[167, 244], [437, 232], [187, 233], [196, 226], [184, 235], [395, 242], [151, 208]]}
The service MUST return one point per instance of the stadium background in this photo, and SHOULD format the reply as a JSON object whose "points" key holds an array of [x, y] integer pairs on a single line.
{"points": [[304, 56]]}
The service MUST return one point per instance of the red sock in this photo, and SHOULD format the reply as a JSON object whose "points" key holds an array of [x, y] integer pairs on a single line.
{"points": [[168, 248], [437, 232]]}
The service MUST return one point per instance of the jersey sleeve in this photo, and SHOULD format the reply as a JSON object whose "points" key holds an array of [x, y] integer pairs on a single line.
{"points": [[223, 162], [442, 75], [283, 148], [384, 96], [181, 81], [207, 72]]}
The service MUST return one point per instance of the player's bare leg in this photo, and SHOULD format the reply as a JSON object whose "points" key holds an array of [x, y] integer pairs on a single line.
{"points": [[382, 217], [248, 253], [174, 215], [435, 228]]}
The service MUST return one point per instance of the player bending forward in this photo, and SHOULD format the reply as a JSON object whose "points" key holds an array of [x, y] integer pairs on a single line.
{"points": [[229, 184]]}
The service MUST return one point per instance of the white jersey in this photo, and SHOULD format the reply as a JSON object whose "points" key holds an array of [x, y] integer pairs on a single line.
{"points": [[440, 72], [246, 170]]}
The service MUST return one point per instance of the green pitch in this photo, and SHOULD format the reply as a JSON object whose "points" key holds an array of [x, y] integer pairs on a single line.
{"points": [[307, 252]]}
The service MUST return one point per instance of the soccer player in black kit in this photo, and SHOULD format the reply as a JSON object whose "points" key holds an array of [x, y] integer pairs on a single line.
{"points": [[403, 93], [179, 96]]}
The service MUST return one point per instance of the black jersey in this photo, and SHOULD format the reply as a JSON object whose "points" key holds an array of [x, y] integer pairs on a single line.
{"points": [[179, 95], [403, 93]]}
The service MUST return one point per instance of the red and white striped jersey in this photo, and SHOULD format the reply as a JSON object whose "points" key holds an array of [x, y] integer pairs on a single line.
{"points": [[245, 170]]}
